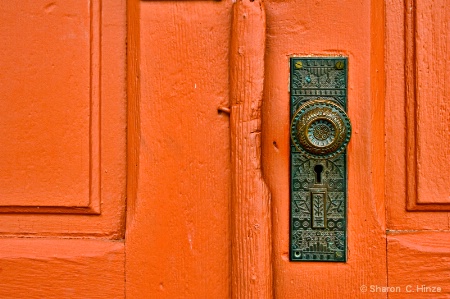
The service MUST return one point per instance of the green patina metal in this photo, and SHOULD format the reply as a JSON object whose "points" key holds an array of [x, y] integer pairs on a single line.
{"points": [[320, 132]]}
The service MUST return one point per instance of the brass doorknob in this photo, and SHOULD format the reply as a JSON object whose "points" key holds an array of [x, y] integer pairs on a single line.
{"points": [[320, 129]]}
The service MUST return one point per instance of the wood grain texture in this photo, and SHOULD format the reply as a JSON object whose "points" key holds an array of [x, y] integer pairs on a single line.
{"points": [[322, 28], [61, 268], [251, 266], [64, 124], [133, 100], [178, 221], [400, 147], [378, 101], [416, 134], [419, 263]]}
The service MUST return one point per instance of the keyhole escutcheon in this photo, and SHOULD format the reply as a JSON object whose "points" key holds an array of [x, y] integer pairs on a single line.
{"points": [[318, 170]]}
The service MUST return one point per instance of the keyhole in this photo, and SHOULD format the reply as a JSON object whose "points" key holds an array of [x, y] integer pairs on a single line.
{"points": [[318, 170]]}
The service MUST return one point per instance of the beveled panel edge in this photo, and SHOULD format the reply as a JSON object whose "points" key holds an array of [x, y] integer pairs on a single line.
{"points": [[89, 210]]}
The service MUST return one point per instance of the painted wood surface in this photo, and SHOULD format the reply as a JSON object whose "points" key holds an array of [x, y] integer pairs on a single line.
{"points": [[402, 144], [251, 264], [178, 223], [61, 268], [428, 109], [63, 118], [419, 264], [201, 222], [416, 149], [38, 111], [62, 149], [329, 28]]}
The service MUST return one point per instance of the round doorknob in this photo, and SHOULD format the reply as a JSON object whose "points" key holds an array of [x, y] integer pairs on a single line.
{"points": [[320, 129]]}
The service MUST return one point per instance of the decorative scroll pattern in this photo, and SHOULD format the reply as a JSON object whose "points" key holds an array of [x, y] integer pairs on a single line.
{"points": [[318, 185]]}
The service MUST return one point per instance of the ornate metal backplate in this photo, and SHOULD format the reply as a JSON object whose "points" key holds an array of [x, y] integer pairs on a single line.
{"points": [[320, 132]]}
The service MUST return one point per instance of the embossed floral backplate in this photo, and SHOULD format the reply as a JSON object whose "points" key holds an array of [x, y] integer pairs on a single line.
{"points": [[320, 132]]}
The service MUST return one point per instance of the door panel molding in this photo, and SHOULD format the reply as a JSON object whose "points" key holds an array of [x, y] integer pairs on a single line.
{"points": [[67, 130], [427, 106], [59, 178], [406, 96]]}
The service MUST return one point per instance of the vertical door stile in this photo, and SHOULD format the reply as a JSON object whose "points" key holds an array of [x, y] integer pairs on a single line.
{"points": [[133, 112], [251, 269]]}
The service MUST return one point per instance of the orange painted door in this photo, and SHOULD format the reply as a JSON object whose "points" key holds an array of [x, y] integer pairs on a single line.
{"points": [[62, 148], [209, 130], [417, 148], [208, 142], [145, 148], [208, 216]]}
